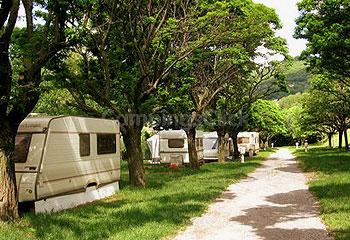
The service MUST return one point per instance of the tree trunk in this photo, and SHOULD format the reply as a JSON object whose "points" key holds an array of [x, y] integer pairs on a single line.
{"points": [[235, 145], [346, 139], [222, 146], [5, 78], [191, 138], [8, 190], [329, 139], [132, 141], [340, 139]]}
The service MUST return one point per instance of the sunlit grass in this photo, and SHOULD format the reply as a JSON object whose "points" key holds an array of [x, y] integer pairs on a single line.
{"points": [[331, 185], [166, 206]]}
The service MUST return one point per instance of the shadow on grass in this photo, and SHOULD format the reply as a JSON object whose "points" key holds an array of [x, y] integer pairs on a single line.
{"points": [[331, 186], [171, 199], [325, 160], [113, 218]]}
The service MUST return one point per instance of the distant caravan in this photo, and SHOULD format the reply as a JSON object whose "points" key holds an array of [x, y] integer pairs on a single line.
{"points": [[171, 146], [210, 145], [249, 141], [62, 162]]}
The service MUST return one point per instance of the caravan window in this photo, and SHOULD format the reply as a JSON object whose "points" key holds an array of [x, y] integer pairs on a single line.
{"points": [[22, 144], [176, 143], [84, 144], [106, 143], [243, 140]]}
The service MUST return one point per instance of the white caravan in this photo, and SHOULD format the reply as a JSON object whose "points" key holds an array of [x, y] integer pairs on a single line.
{"points": [[210, 144], [249, 141], [171, 146], [62, 162]]}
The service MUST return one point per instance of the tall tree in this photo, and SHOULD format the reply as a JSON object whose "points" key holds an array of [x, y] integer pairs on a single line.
{"points": [[267, 118], [263, 79], [329, 64], [326, 26], [128, 51], [226, 62], [325, 113], [31, 48]]}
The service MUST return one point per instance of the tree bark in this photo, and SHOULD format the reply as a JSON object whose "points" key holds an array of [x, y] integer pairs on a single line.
{"points": [[329, 135], [8, 190], [340, 145], [5, 78], [222, 146], [346, 139], [235, 145], [132, 141], [192, 150]]}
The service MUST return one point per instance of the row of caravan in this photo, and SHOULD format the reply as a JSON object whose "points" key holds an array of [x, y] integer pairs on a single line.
{"points": [[64, 161], [171, 146]]}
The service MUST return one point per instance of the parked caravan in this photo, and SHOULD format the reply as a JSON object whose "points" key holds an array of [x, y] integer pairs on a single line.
{"points": [[153, 145], [62, 162], [210, 144], [199, 144], [171, 146], [249, 141]]}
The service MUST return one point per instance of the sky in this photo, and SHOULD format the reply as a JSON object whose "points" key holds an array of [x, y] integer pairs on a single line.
{"points": [[286, 9], [288, 12]]}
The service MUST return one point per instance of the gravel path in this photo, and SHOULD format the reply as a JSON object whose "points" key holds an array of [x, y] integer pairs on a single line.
{"points": [[273, 203]]}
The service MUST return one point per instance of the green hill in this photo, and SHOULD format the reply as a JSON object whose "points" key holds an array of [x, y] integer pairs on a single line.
{"points": [[297, 80]]}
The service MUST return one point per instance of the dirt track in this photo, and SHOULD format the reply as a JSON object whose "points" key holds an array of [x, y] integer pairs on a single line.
{"points": [[273, 203]]}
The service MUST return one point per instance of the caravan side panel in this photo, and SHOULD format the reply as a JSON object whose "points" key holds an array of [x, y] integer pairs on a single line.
{"points": [[64, 170]]}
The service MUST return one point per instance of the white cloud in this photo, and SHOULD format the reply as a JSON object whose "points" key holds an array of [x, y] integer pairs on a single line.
{"points": [[288, 12]]}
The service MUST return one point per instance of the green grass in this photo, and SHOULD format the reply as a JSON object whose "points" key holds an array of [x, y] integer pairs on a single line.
{"points": [[335, 140], [171, 199], [331, 185]]}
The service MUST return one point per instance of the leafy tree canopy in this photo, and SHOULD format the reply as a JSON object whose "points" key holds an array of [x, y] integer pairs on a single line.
{"points": [[267, 118], [326, 26]]}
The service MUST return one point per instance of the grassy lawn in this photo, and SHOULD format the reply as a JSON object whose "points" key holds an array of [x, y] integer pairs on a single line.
{"points": [[331, 185], [172, 198]]}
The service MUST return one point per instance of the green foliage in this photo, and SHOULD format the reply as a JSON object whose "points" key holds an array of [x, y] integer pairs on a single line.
{"points": [[316, 112], [221, 77], [327, 106], [326, 26], [294, 118], [267, 117], [145, 149], [296, 77], [331, 185], [289, 101], [172, 198], [54, 101]]}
